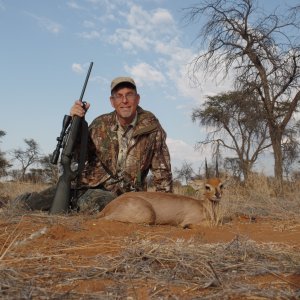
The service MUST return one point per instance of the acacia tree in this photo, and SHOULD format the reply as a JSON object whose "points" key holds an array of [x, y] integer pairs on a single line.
{"points": [[237, 124], [262, 51], [50, 171], [27, 157], [186, 172], [233, 164], [291, 147], [4, 164]]}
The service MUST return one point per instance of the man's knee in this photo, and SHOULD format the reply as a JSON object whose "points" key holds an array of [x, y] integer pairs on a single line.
{"points": [[36, 201], [94, 200]]}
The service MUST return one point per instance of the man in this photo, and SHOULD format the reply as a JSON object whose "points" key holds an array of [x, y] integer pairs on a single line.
{"points": [[123, 147]]}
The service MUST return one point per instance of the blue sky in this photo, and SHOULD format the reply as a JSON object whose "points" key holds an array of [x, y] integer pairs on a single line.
{"points": [[47, 46]]}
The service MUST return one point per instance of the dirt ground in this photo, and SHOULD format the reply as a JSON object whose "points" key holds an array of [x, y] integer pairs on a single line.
{"points": [[83, 257]]}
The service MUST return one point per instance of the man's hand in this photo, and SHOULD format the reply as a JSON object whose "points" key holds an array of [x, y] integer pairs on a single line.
{"points": [[79, 109]]}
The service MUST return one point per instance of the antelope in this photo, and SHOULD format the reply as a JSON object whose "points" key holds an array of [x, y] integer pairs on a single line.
{"points": [[158, 208]]}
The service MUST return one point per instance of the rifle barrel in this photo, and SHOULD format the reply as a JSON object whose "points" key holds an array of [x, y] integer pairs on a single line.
{"points": [[86, 81], [61, 201]]}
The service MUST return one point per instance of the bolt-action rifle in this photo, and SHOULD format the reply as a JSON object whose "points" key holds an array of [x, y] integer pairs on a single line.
{"points": [[71, 130]]}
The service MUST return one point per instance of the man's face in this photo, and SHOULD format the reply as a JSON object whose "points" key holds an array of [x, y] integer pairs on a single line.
{"points": [[125, 102]]}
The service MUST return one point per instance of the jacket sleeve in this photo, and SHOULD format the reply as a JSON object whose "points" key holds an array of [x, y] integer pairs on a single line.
{"points": [[161, 165]]}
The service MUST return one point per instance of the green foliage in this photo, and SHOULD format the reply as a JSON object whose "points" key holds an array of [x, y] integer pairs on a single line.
{"points": [[4, 164], [50, 171], [239, 125], [260, 51], [28, 156], [185, 173]]}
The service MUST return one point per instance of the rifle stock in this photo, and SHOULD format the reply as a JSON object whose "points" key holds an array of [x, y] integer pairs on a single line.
{"points": [[61, 201]]}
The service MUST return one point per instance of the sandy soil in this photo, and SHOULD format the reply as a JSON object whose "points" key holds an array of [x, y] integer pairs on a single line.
{"points": [[83, 257]]}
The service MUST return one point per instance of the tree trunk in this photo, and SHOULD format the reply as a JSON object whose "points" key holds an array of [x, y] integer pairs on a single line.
{"points": [[246, 169], [276, 137]]}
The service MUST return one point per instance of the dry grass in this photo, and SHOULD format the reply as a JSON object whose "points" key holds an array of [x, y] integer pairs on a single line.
{"points": [[255, 199], [258, 199], [162, 267], [147, 264], [10, 190]]}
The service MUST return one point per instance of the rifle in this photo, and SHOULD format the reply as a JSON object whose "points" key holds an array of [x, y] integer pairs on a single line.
{"points": [[67, 140]]}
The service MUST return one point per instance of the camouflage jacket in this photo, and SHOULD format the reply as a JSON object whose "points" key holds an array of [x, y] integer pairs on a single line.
{"points": [[147, 150]]}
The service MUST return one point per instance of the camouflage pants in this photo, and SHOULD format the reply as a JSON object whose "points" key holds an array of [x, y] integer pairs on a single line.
{"points": [[91, 200]]}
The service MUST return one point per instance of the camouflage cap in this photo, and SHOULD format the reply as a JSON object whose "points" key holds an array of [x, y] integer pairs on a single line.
{"points": [[119, 80]]}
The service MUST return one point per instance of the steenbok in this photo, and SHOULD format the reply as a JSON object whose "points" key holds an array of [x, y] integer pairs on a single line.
{"points": [[157, 208]]}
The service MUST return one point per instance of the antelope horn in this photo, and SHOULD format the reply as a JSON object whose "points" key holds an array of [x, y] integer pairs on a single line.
{"points": [[206, 170], [217, 169]]}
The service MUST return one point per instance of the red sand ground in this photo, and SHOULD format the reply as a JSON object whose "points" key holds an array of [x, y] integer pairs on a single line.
{"points": [[75, 240]]}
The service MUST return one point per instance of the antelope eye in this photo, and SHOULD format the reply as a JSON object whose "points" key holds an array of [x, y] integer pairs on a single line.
{"points": [[221, 186], [207, 188]]}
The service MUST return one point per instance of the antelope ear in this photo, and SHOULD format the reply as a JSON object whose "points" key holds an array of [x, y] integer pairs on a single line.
{"points": [[224, 182], [187, 226]]}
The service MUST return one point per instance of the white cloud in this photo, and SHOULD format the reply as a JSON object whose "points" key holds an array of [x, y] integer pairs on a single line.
{"points": [[155, 32], [82, 68], [139, 19], [88, 24], [162, 17], [181, 152], [100, 80], [100, 2], [145, 74], [91, 35], [130, 39], [144, 28], [50, 25], [108, 8], [77, 68], [74, 5], [177, 63], [148, 22], [2, 7], [47, 24]]}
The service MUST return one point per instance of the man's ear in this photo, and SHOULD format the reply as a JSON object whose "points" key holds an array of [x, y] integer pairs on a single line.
{"points": [[112, 101]]}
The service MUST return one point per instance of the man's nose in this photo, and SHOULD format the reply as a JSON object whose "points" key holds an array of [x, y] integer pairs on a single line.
{"points": [[124, 99]]}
